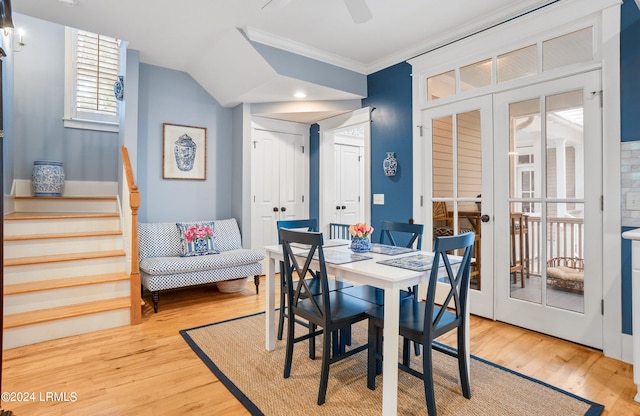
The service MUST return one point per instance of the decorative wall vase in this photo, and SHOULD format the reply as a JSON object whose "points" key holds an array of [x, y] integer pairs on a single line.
{"points": [[47, 178], [360, 244], [185, 152], [118, 88], [390, 164]]}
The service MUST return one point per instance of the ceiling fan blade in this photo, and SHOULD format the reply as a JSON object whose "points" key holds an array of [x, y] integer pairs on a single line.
{"points": [[359, 10]]}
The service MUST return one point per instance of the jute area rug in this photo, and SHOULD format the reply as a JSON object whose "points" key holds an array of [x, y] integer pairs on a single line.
{"points": [[234, 351]]}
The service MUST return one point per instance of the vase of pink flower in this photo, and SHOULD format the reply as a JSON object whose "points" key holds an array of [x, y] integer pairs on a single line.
{"points": [[360, 242]]}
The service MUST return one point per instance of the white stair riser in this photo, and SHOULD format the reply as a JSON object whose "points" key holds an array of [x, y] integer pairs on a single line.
{"points": [[31, 334], [44, 299], [53, 246], [65, 205], [58, 270], [58, 226]]}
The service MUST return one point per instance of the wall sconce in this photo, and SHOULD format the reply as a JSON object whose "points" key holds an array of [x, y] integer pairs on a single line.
{"points": [[20, 43], [390, 164]]}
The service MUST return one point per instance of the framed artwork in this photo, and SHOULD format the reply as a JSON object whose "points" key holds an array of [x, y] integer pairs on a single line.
{"points": [[184, 152]]}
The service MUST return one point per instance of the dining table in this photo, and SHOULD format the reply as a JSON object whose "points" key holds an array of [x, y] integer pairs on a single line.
{"points": [[370, 271]]}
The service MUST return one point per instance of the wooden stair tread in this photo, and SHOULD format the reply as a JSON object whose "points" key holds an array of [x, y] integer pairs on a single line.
{"points": [[21, 216], [21, 261], [70, 198], [62, 312], [61, 235], [28, 287]]}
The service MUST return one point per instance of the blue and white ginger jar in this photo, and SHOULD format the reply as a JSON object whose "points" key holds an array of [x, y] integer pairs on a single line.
{"points": [[390, 164], [47, 178]]}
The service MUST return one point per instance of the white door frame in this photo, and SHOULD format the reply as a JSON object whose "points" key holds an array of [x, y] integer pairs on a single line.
{"points": [[326, 184]]}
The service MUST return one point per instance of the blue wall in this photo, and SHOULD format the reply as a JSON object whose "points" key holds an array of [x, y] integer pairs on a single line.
{"points": [[391, 131], [38, 109], [629, 127], [168, 96]]}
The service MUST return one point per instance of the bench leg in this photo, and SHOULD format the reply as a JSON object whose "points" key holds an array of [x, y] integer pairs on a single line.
{"points": [[155, 296], [256, 281]]}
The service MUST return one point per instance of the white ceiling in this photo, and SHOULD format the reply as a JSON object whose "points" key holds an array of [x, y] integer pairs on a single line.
{"points": [[201, 38]]}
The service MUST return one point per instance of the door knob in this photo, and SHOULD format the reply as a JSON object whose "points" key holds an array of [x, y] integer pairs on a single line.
{"points": [[344, 207], [485, 218], [275, 209], [283, 209], [337, 206]]}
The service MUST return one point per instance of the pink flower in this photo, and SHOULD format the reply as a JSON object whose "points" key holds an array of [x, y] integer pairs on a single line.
{"points": [[198, 233], [360, 230]]}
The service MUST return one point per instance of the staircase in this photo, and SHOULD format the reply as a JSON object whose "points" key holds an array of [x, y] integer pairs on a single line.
{"points": [[64, 269]]}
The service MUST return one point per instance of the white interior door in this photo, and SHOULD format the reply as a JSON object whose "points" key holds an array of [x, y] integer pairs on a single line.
{"points": [[279, 182], [458, 175], [345, 169], [348, 184], [549, 172]]}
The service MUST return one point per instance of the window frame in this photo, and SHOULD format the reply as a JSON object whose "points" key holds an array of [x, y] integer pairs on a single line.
{"points": [[78, 119]]}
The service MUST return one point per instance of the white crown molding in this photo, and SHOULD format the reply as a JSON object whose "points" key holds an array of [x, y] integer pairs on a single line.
{"points": [[269, 39]]}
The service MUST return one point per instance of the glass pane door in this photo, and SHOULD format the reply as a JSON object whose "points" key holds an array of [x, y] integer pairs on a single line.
{"points": [[547, 135], [461, 170]]}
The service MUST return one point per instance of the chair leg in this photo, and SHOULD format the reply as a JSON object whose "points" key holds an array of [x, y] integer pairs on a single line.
{"points": [[326, 360], [312, 341], [281, 314], [406, 351], [462, 362], [427, 371], [256, 281], [288, 357], [155, 297]]}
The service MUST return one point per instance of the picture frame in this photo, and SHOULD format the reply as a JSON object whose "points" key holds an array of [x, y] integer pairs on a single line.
{"points": [[184, 152]]}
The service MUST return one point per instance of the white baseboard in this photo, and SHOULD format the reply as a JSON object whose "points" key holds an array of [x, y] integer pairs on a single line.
{"points": [[627, 349], [22, 187]]}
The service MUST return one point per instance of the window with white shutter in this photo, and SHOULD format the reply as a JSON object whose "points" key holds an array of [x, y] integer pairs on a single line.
{"points": [[92, 69]]}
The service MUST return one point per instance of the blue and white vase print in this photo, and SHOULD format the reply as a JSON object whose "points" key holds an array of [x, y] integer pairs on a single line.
{"points": [[390, 164], [360, 244], [47, 178], [185, 152]]}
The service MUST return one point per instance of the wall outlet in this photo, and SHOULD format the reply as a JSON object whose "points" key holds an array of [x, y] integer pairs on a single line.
{"points": [[633, 201], [378, 199]]}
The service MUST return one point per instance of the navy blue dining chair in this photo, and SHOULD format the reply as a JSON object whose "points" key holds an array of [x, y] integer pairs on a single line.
{"points": [[327, 312], [423, 322], [310, 224]]}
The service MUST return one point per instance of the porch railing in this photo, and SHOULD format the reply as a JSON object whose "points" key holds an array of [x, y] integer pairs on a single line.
{"points": [[565, 238]]}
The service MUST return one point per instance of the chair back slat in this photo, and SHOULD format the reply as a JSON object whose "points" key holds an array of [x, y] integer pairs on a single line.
{"points": [[291, 263], [310, 224], [340, 231], [458, 281], [389, 228]]}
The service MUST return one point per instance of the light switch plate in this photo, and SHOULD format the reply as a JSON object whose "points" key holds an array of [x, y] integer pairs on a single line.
{"points": [[633, 201], [378, 199]]}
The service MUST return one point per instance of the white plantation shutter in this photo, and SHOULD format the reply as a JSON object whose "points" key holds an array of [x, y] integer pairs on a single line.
{"points": [[96, 72], [93, 66]]}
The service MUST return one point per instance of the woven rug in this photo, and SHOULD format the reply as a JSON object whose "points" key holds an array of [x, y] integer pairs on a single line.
{"points": [[234, 351]]}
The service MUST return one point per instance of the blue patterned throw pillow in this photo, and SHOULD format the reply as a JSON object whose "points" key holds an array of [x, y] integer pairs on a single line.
{"points": [[197, 239]]}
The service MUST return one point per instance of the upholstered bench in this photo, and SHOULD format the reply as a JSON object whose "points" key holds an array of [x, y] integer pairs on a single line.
{"points": [[168, 261]]}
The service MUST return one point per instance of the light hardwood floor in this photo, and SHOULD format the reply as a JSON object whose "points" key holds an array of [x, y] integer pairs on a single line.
{"points": [[148, 369]]}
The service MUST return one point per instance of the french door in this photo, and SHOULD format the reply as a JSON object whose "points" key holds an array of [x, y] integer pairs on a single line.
{"points": [[458, 178], [548, 215]]}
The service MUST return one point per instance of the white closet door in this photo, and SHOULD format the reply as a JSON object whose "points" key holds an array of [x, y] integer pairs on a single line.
{"points": [[278, 181]]}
